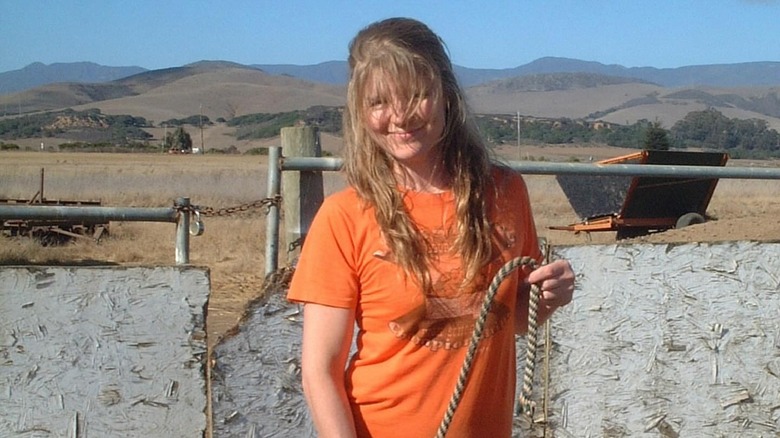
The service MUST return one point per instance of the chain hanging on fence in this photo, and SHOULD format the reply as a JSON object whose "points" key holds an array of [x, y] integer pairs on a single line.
{"points": [[196, 225], [227, 211]]}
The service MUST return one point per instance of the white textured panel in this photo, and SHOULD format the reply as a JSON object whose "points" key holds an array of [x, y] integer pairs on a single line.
{"points": [[256, 384], [660, 340], [102, 352], [670, 340]]}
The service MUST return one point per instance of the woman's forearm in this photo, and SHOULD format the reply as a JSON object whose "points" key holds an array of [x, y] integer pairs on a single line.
{"points": [[327, 336], [328, 404]]}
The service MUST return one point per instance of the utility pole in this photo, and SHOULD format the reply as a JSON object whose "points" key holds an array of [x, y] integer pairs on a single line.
{"points": [[518, 136], [165, 137], [200, 122]]}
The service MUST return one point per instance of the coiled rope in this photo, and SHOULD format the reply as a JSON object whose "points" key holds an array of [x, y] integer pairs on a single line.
{"points": [[528, 376]]}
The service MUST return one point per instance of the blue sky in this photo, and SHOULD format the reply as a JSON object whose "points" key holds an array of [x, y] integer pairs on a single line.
{"points": [[479, 34]]}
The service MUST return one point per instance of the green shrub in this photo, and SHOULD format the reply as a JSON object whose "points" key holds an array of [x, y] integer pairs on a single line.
{"points": [[257, 151]]}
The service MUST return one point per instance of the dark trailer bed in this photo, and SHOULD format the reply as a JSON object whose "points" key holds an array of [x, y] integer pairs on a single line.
{"points": [[635, 206]]}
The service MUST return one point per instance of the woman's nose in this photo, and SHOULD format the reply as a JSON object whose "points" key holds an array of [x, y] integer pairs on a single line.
{"points": [[398, 113], [395, 114]]}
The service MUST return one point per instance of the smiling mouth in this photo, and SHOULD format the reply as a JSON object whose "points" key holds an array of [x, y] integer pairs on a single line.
{"points": [[405, 133]]}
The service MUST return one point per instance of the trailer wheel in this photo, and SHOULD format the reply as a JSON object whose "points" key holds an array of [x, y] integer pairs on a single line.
{"points": [[689, 219]]}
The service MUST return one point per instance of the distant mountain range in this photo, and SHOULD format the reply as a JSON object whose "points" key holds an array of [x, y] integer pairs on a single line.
{"points": [[37, 74], [546, 88], [749, 74], [717, 75]]}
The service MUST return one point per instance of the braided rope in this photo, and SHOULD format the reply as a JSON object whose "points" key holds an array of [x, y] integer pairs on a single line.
{"points": [[526, 406], [477, 335]]}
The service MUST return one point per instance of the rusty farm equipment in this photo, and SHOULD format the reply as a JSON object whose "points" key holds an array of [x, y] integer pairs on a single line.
{"points": [[640, 205], [52, 232]]}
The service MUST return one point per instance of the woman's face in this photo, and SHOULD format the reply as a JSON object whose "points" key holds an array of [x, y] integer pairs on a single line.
{"points": [[411, 137]]}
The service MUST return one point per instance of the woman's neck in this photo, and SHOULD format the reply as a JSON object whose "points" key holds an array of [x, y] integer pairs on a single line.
{"points": [[431, 179]]}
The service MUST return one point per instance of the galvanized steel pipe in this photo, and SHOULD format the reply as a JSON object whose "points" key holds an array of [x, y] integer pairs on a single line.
{"points": [[182, 231], [657, 170], [272, 221], [106, 214], [87, 213], [551, 168]]}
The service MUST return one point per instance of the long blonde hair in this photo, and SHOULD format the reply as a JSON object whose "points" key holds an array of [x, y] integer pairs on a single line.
{"points": [[415, 58]]}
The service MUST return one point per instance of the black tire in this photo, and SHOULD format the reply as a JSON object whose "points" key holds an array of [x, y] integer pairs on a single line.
{"points": [[689, 219]]}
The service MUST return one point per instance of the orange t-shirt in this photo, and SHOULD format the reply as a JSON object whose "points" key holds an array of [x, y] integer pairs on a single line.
{"points": [[411, 347]]}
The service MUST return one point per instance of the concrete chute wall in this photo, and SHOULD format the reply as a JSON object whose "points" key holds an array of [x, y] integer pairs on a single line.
{"points": [[660, 340], [670, 341], [98, 351]]}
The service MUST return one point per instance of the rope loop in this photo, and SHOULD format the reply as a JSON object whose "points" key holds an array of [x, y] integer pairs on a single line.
{"points": [[525, 405], [476, 336]]}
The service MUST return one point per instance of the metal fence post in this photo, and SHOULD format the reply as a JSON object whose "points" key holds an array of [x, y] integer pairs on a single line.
{"points": [[182, 231], [272, 221]]}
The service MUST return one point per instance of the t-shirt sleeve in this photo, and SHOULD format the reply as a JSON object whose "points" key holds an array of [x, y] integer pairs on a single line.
{"points": [[326, 272], [533, 248], [517, 191]]}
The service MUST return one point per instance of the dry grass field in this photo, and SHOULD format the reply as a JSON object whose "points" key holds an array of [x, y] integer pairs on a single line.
{"points": [[232, 246]]}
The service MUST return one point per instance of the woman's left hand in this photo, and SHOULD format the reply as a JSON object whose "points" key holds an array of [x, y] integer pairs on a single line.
{"points": [[556, 280]]}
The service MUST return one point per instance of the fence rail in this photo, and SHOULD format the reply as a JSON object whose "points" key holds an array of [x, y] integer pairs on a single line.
{"points": [[277, 163], [312, 164], [549, 168], [177, 214]]}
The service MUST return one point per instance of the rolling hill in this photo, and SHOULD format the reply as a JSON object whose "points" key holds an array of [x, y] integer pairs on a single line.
{"points": [[212, 88], [619, 100], [749, 74], [220, 89]]}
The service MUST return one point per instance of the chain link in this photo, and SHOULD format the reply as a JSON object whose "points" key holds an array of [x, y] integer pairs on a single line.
{"points": [[297, 243], [227, 211]]}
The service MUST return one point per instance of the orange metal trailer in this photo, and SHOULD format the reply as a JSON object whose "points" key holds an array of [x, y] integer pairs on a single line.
{"points": [[635, 206]]}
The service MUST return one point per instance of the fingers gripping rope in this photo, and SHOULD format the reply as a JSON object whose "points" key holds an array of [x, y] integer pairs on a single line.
{"points": [[505, 270]]}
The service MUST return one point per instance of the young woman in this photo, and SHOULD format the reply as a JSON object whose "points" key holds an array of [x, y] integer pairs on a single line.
{"points": [[405, 255]]}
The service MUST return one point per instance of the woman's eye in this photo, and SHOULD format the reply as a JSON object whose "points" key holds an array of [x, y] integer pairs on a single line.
{"points": [[376, 103], [422, 95]]}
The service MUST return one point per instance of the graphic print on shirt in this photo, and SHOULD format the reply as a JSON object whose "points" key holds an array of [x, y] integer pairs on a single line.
{"points": [[446, 318]]}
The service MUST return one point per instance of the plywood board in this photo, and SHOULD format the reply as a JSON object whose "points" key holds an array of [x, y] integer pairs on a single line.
{"points": [[660, 340], [668, 340], [102, 352]]}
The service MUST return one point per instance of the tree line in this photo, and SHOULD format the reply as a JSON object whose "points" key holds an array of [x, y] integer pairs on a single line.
{"points": [[90, 124], [267, 125], [708, 129]]}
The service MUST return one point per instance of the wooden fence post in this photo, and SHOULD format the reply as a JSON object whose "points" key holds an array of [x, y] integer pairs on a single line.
{"points": [[302, 190]]}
